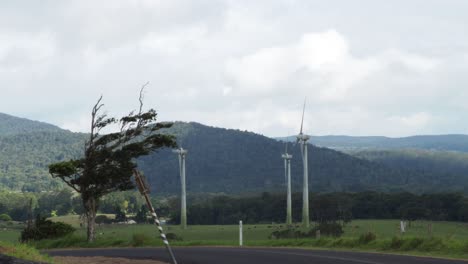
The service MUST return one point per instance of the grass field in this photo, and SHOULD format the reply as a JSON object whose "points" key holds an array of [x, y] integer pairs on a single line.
{"points": [[382, 228], [230, 233], [448, 238]]}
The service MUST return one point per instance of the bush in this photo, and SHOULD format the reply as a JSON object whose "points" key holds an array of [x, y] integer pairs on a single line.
{"points": [[173, 237], [44, 229], [140, 240], [412, 243], [367, 238], [327, 229], [287, 233], [396, 243], [5, 217], [432, 244]]}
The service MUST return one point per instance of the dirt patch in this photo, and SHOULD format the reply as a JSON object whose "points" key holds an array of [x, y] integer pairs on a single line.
{"points": [[103, 260]]}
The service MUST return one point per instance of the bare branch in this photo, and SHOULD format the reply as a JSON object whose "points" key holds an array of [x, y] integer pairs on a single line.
{"points": [[94, 112], [142, 95]]}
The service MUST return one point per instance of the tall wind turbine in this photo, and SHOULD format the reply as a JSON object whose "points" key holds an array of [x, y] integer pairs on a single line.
{"points": [[287, 174], [302, 139], [183, 203]]}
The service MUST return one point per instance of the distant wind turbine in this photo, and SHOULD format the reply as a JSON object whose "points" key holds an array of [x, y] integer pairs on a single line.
{"points": [[183, 206], [287, 174], [302, 139]]}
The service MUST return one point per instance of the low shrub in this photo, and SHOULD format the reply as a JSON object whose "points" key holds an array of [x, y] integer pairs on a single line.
{"points": [[396, 243], [173, 237], [432, 244], [140, 239], [366, 238], [287, 233], [411, 243], [327, 229], [43, 229], [5, 217]]}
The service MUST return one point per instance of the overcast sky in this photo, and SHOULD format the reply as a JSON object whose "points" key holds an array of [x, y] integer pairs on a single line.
{"points": [[393, 68]]}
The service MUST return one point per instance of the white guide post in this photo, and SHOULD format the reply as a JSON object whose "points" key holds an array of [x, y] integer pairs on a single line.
{"points": [[240, 234]]}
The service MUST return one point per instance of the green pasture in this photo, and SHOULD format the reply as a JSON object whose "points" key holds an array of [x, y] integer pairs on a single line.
{"points": [[382, 228], [230, 233], [448, 238]]}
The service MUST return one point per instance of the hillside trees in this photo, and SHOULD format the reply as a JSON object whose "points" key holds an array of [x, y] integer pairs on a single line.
{"points": [[109, 159]]}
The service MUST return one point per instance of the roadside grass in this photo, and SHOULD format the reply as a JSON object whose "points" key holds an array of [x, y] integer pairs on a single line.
{"points": [[449, 239], [23, 251]]}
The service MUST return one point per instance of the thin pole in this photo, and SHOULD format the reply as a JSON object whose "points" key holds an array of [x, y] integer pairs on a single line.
{"points": [[241, 242], [305, 191], [144, 191], [289, 202], [183, 204]]}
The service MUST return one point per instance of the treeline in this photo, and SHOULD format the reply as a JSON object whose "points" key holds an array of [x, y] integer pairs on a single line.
{"points": [[331, 207], [264, 208], [57, 203]]}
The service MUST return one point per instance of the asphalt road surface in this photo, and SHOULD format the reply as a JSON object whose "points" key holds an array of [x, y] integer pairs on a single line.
{"points": [[228, 255]]}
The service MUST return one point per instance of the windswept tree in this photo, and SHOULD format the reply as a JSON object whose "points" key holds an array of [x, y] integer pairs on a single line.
{"points": [[109, 159]]}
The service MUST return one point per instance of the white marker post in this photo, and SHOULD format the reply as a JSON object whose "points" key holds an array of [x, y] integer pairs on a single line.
{"points": [[402, 227], [240, 233]]}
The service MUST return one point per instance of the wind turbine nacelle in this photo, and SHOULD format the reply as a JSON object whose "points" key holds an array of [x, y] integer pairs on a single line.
{"points": [[180, 151], [286, 156], [303, 137]]}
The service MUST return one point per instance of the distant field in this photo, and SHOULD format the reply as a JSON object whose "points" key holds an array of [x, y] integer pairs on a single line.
{"points": [[10, 231], [382, 228]]}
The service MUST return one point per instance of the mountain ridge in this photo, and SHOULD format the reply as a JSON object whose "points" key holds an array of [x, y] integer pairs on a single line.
{"points": [[11, 125], [219, 160], [453, 142]]}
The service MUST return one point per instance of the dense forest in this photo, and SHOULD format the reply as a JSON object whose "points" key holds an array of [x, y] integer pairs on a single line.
{"points": [[260, 208], [24, 158], [341, 207], [232, 162]]}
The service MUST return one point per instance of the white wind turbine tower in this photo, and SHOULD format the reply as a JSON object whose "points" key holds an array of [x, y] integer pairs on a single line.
{"points": [[183, 206], [302, 139], [287, 174]]}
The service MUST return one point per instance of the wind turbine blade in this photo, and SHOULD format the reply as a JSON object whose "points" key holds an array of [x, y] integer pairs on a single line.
{"points": [[303, 111]]}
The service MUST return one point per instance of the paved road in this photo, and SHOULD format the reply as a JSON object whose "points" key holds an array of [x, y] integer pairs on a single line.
{"points": [[10, 260], [228, 255]]}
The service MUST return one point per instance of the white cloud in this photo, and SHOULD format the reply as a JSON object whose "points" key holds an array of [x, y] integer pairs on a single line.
{"points": [[25, 50], [238, 64], [324, 63]]}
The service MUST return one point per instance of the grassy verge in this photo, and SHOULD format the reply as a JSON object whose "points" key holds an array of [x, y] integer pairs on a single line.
{"points": [[435, 247], [23, 251], [449, 239]]}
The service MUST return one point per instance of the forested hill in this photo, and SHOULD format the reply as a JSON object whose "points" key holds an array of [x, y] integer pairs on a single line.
{"points": [[233, 161], [28, 147], [10, 125], [427, 142], [218, 160]]}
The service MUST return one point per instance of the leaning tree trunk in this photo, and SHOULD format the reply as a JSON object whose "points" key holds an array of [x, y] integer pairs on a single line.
{"points": [[91, 208]]}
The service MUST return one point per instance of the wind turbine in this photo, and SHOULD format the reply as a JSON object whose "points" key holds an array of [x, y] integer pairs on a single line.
{"points": [[287, 174], [302, 139], [183, 203]]}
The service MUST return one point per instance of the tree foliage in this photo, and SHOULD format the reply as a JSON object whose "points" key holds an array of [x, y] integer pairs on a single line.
{"points": [[109, 159]]}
